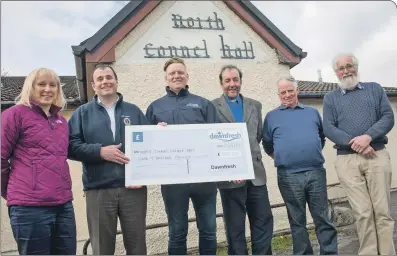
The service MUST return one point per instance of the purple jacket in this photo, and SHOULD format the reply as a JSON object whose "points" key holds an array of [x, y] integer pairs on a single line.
{"points": [[34, 148]]}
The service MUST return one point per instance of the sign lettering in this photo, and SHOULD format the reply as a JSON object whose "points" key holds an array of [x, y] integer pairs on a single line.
{"points": [[197, 23], [172, 51], [245, 51]]}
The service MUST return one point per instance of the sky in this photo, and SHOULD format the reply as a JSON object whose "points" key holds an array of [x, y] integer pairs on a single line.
{"points": [[37, 34]]}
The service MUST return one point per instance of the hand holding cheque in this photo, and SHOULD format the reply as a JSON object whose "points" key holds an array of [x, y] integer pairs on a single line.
{"points": [[112, 153], [176, 154]]}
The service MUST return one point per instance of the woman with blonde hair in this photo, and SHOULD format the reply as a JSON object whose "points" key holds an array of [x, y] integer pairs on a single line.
{"points": [[35, 177]]}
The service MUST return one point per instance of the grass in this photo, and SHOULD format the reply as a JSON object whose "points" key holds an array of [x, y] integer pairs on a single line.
{"points": [[280, 244]]}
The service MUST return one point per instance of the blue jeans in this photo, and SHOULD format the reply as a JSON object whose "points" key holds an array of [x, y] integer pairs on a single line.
{"points": [[44, 230], [254, 201], [176, 201], [311, 187]]}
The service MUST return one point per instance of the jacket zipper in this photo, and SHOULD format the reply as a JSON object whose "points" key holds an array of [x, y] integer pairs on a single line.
{"points": [[51, 125], [177, 116], [34, 171], [48, 119]]}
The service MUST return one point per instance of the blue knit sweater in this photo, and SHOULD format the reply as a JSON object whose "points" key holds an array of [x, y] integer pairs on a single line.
{"points": [[295, 137], [364, 110]]}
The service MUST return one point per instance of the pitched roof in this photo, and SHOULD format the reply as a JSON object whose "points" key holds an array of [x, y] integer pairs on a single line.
{"points": [[11, 86], [313, 89], [133, 7]]}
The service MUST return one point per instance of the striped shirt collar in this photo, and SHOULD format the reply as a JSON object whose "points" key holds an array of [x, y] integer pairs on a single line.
{"points": [[359, 86]]}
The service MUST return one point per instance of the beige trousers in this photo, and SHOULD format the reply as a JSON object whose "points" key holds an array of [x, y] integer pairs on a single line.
{"points": [[367, 185]]}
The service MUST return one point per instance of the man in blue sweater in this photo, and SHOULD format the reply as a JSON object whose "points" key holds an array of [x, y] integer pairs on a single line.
{"points": [[293, 137], [357, 117]]}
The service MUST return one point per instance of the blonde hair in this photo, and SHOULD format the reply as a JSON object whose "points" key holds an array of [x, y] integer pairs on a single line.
{"points": [[172, 61], [27, 89]]}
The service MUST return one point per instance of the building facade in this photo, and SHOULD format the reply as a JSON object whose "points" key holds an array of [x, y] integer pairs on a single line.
{"points": [[207, 34]]}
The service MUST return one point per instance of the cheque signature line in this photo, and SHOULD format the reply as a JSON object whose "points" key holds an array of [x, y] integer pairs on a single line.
{"points": [[146, 165]]}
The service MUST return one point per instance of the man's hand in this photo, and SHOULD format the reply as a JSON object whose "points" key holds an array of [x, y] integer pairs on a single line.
{"points": [[162, 124], [237, 181], [369, 152], [133, 187], [113, 154], [360, 143]]}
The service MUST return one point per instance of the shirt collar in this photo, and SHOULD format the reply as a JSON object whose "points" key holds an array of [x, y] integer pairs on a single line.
{"points": [[359, 86], [114, 103], [299, 105], [237, 100]]}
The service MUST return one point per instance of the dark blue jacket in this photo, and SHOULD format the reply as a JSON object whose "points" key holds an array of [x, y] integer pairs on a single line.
{"points": [[184, 108], [89, 130]]}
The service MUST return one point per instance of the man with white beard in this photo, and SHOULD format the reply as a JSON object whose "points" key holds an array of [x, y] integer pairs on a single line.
{"points": [[357, 117]]}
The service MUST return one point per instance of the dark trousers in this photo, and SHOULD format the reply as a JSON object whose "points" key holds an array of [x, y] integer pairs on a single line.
{"points": [[311, 187], [254, 201], [176, 201], [44, 230], [103, 208]]}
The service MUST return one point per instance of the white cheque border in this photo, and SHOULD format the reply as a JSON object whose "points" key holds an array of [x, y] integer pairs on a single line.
{"points": [[219, 126]]}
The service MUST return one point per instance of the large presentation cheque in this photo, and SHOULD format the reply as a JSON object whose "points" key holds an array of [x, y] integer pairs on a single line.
{"points": [[187, 153]]}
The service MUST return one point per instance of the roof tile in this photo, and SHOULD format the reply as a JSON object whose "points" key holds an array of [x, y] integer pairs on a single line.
{"points": [[11, 86], [308, 88]]}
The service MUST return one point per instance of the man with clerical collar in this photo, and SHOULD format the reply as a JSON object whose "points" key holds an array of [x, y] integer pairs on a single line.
{"points": [[293, 136], [240, 197], [357, 118]]}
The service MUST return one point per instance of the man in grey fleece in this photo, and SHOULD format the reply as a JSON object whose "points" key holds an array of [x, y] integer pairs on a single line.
{"points": [[357, 117]]}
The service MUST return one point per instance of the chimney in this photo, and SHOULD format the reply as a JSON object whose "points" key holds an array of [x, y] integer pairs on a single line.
{"points": [[320, 78]]}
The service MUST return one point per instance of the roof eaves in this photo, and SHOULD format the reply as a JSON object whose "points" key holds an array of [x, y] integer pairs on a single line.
{"points": [[293, 48], [316, 95], [78, 50]]}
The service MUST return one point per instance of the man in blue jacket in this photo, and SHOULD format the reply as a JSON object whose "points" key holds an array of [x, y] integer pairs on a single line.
{"points": [[96, 138], [293, 136], [179, 106]]}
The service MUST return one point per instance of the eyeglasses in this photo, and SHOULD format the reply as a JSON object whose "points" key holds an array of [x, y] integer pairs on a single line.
{"points": [[347, 67]]}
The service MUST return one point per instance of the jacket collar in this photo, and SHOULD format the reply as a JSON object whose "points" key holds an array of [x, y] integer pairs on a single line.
{"points": [[54, 109], [183, 92], [96, 102], [238, 99], [224, 109]]}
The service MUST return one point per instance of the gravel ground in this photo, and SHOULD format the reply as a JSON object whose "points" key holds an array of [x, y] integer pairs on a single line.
{"points": [[347, 235]]}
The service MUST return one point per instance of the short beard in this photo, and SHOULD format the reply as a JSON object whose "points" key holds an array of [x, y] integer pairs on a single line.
{"points": [[350, 82]]}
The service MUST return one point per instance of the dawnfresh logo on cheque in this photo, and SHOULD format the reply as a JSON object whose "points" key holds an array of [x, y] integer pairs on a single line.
{"points": [[225, 135], [137, 137]]}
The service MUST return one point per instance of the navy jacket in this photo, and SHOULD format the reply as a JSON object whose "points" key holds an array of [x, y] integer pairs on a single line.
{"points": [[184, 108], [89, 130]]}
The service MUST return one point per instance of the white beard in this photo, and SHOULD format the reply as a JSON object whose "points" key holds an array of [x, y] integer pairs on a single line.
{"points": [[349, 83]]}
